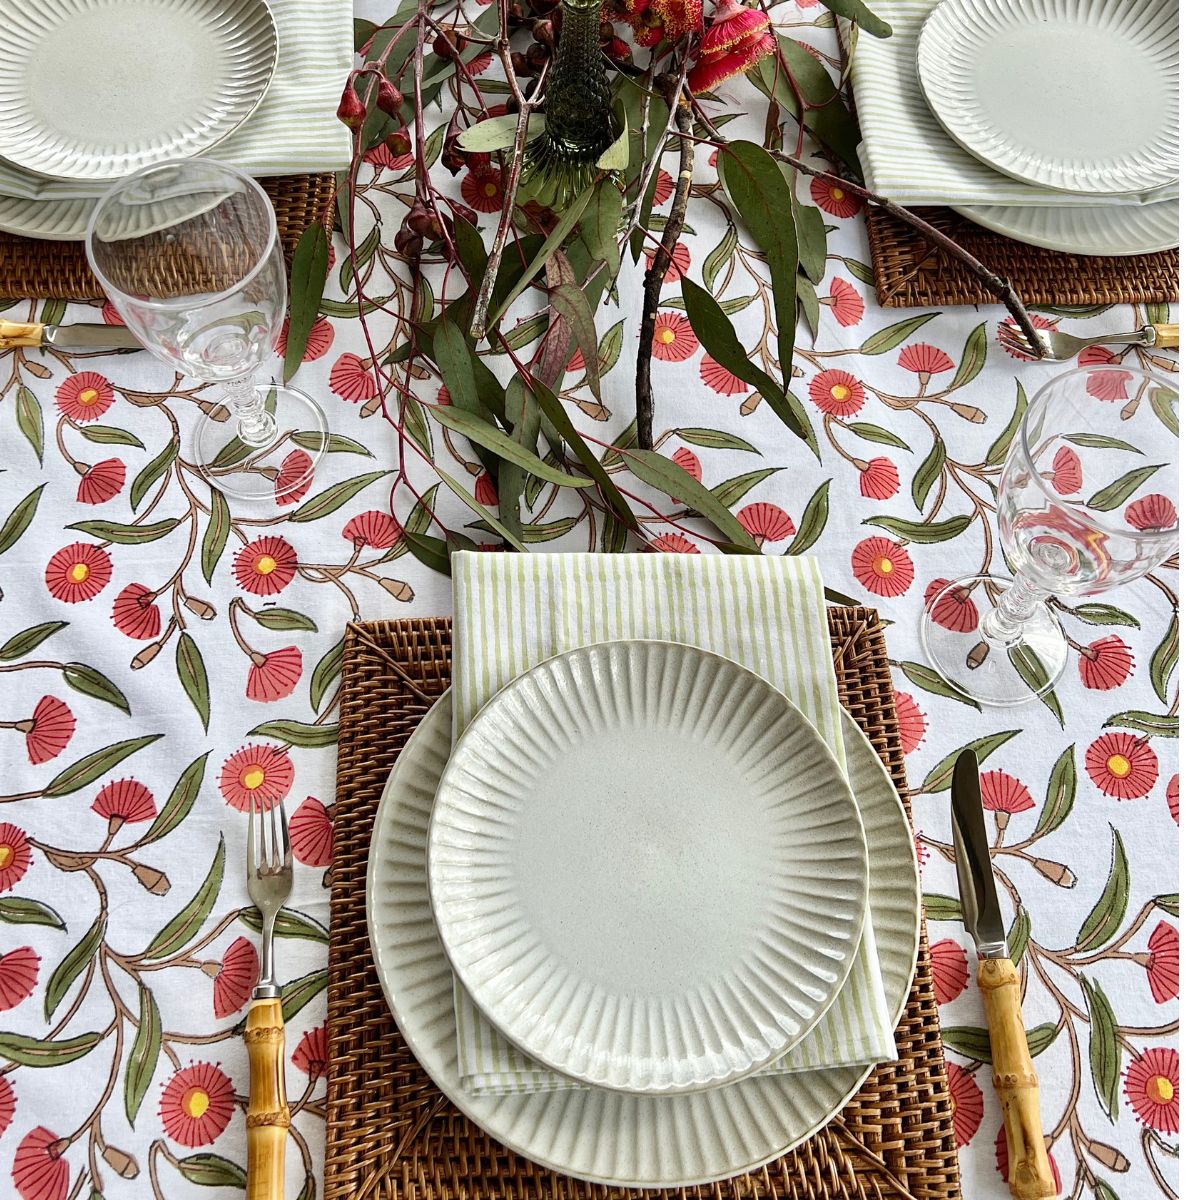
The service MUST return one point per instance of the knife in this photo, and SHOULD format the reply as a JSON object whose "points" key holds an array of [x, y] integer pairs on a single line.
{"points": [[1029, 1173], [69, 338]]}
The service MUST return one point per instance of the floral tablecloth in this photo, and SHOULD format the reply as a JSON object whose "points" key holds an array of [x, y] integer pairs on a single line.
{"points": [[164, 661]]}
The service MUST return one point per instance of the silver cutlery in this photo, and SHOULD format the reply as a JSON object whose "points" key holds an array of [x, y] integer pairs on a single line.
{"points": [[72, 339], [1058, 347]]}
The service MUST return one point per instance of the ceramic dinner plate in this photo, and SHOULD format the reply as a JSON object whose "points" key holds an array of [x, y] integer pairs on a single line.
{"points": [[98, 89], [1081, 95], [614, 1137], [1119, 230], [647, 868]]}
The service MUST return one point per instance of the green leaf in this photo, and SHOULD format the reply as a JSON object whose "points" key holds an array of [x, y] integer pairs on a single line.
{"points": [[799, 81], [53, 312], [332, 498], [922, 532], [362, 255], [126, 535], [298, 733], [940, 777], [143, 1057], [284, 619], [188, 922], [1104, 1048], [1164, 659], [600, 224], [179, 803], [332, 443], [110, 435], [812, 241], [18, 520], [74, 963], [616, 156], [718, 257], [189, 665], [1099, 441], [730, 491], [812, 523], [1103, 614], [1117, 492], [310, 264], [18, 910], [497, 133], [1018, 935], [972, 1042], [1169, 903], [549, 531], [216, 534], [91, 682], [288, 924], [298, 993], [609, 349], [1102, 923], [810, 304], [430, 552], [29, 420], [1154, 724], [29, 639], [1060, 793], [47, 1052], [89, 768], [714, 439], [999, 448], [928, 473], [929, 680], [567, 299], [876, 433], [1033, 671], [327, 670], [974, 355], [1102, 1190], [151, 473], [891, 336], [211, 1170], [1163, 402], [942, 908], [857, 11]]}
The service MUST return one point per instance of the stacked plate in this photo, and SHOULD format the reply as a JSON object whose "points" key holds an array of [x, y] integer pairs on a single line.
{"points": [[648, 872]]}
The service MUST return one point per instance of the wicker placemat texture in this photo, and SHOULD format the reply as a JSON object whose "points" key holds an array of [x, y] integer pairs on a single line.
{"points": [[912, 273], [392, 1134], [33, 268]]}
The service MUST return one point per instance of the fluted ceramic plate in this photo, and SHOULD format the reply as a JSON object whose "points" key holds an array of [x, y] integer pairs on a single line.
{"points": [[1079, 95], [1122, 229], [98, 89], [613, 1137], [647, 868]]}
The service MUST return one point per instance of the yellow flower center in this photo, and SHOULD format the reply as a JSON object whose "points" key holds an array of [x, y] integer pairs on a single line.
{"points": [[195, 1102], [884, 565], [253, 777], [1160, 1090], [489, 188], [666, 336], [837, 193], [1119, 765], [264, 564], [78, 573], [88, 396], [839, 391], [6, 856]]}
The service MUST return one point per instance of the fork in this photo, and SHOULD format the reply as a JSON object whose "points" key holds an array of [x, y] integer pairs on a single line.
{"points": [[1058, 347], [269, 882]]}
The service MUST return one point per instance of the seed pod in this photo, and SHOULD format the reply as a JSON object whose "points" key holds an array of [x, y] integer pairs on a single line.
{"points": [[154, 881], [398, 142], [124, 1164], [351, 111], [388, 98], [543, 33], [397, 588]]}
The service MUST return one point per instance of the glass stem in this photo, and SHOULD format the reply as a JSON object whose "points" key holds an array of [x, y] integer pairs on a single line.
{"points": [[256, 426], [1004, 625]]}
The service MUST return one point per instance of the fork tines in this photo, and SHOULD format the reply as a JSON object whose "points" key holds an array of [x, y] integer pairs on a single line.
{"points": [[262, 858]]}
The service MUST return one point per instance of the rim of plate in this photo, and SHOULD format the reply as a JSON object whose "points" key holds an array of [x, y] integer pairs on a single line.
{"points": [[1020, 222], [469, 979]]}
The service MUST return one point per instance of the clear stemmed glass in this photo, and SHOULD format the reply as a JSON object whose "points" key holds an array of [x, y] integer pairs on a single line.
{"points": [[188, 253], [1085, 503]]}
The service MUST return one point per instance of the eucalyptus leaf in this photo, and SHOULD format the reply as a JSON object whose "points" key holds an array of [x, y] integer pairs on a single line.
{"points": [[310, 264]]}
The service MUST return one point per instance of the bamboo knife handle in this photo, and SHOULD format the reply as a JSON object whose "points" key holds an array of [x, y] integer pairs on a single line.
{"points": [[16, 333], [267, 1116], [1016, 1084], [1166, 336]]}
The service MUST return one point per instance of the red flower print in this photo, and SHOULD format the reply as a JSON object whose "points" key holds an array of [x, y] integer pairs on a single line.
{"points": [[664, 185], [766, 522], [135, 614], [320, 337], [311, 832], [382, 156], [237, 973], [845, 303], [294, 478], [1105, 664], [109, 314], [967, 1101], [48, 731], [685, 458], [1067, 476], [674, 543], [1152, 512], [673, 338], [677, 267], [483, 189], [1019, 355], [14, 856], [837, 393], [925, 360], [124, 800], [259, 775], [311, 1056], [911, 721], [722, 381], [266, 566], [274, 676], [376, 528], [38, 1169], [948, 961], [1172, 804], [8, 1104], [1097, 356], [1004, 795], [18, 976], [834, 200], [882, 566], [1120, 765], [878, 479], [485, 490], [78, 572], [1152, 1088], [196, 1104], [84, 397], [1002, 1161], [352, 379], [953, 610], [1110, 386], [1162, 963], [101, 482]]}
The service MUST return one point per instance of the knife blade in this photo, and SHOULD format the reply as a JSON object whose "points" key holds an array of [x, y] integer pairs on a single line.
{"points": [[71, 339], [972, 860]]}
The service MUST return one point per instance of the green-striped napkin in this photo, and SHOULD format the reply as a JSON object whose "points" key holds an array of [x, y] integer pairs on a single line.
{"points": [[906, 155], [294, 130], [512, 611]]}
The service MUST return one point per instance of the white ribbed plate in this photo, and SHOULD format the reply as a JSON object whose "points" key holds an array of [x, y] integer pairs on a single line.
{"points": [[1119, 230], [98, 89], [647, 868], [1080, 95], [614, 1137]]}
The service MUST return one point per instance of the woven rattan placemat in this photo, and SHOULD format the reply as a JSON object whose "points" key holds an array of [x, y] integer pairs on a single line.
{"points": [[31, 267], [390, 1132], [911, 273]]}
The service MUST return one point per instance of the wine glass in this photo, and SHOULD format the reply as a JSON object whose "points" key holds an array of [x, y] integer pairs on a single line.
{"points": [[1085, 503], [188, 253]]}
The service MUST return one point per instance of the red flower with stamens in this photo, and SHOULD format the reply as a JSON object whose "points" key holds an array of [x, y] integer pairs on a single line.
{"points": [[18, 976], [953, 609], [1162, 965], [483, 189], [1120, 765], [882, 566], [687, 460], [256, 775], [845, 302], [923, 359], [836, 393], [101, 481], [266, 566], [235, 978], [948, 962], [1109, 386], [677, 267], [1003, 793], [967, 1101], [1020, 355], [1152, 1088], [135, 614], [911, 722], [8, 1104], [1067, 475], [39, 1171], [196, 1104], [124, 800], [1172, 804], [1152, 512], [836, 201], [1002, 1161], [715, 69], [375, 528], [50, 729], [766, 522], [1105, 664], [274, 676], [879, 479], [320, 336], [485, 490], [673, 337], [722, 381], [15, 856], [311, 832], [294, 478], [674, 543], [352, 378], [84, 397], [736, 38], [78, 572], [311, 1056]]}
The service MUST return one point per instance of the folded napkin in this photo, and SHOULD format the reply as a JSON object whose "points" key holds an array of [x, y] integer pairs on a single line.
{"points": [[294, 130], [906, 155], [512, 611]]}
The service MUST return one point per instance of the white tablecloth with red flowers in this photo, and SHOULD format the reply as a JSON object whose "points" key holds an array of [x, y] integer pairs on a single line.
{"points": [[156, 677]]}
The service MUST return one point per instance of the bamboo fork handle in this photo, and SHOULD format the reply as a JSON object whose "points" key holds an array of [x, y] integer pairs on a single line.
{"points": [[1166, 336], [267, 1117], [1016, 1083], [19, 333]]}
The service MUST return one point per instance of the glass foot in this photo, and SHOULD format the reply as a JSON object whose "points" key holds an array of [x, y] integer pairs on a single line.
{"points": [[281, 470], [985, 671]]}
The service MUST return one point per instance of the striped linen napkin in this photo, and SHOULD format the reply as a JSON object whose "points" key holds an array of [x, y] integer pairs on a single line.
{"points": [[906, 155], [512, 611], [293, 131]]}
